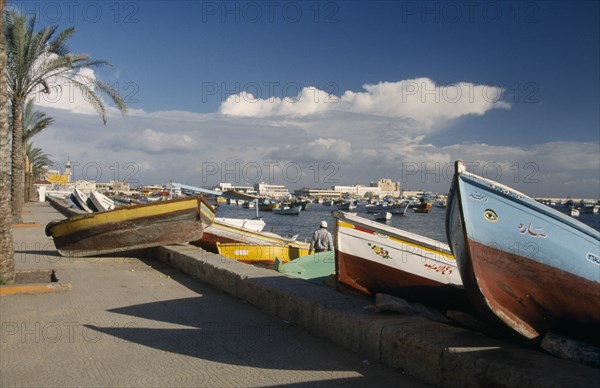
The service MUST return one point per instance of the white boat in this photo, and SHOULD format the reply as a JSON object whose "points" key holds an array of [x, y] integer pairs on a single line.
{"points": [[589, 209], [101, 202], [80, 199], [574, 212], [383, 216], [287, 210], [372, 258], [253, 225], [397, 208]]}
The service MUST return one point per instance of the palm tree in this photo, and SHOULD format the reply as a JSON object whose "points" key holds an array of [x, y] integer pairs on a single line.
{"points": [[34, 121], [38, 160], [7, 263], [34, 59]]}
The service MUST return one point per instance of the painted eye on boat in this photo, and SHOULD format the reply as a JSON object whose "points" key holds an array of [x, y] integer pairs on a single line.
{"points": [[490, 215]]}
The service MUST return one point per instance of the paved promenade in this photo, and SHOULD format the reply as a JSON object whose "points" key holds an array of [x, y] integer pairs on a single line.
{"points": [[136, 322]]}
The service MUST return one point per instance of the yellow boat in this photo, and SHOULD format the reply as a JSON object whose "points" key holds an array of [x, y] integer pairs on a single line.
{"points": [[134, 227], [253, 253]]}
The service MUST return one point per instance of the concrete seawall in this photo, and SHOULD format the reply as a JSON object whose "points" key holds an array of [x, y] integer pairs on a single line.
{"points": [[433, 352]]}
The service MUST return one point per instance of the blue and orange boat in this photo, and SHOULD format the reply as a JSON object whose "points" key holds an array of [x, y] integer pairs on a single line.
{"points": [[522, 263]]}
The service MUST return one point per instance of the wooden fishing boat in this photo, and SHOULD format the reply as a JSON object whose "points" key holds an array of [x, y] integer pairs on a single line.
{"points": [[423, 207], [227, 230], [134, 227], [256, 225], [396, 208], [64, 206], [314, 268], [376, 258], [80, 199], [266, 254], [101, 202], [523, 263], [288, 210]]}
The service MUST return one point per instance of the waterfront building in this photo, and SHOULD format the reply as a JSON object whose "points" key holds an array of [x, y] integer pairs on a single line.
{"points": [[318, 193], [387, 187], [275, 191], [357, 190], [223, 186]]}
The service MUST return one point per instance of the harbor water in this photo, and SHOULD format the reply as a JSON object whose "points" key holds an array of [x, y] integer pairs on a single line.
{"points": [[431, 225]]}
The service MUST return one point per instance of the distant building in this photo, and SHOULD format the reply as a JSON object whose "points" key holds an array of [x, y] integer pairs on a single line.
{"points": [[387, 187], [318, 193], [85, 186], [356, 190], [229, 187], [275, 191], [56, 177]]}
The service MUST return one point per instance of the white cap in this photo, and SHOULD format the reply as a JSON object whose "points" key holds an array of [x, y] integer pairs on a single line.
{"points": [[323, 224]]}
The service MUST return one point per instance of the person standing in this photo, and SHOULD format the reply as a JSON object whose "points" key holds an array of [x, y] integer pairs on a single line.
{"points": [[321, 240]]}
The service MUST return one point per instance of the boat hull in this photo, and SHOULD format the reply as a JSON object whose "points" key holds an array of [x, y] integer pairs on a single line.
{"points": [[223, 232], [101, 201], [374, 258], [80, 199], [130, 228], [522, 263], [266, 254]]}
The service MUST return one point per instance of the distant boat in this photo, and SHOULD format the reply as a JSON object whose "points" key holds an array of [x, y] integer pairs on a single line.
{"points": [[133, 227], [522, 263], [372, 257], [267, 206], [441, 203], [252, 253], [423, 207], [574, 212], [346, 206], [302, 203], [80, 199], [288, 210], [397, 208], [101, 202], [383, 216], [589, 209]]}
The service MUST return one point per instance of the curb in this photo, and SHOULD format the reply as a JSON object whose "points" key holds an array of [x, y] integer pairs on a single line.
{"points": [[432, 352], [33, 288]]}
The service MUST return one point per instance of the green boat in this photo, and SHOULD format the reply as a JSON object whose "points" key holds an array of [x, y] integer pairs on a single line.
{"points": [[315, 268]]}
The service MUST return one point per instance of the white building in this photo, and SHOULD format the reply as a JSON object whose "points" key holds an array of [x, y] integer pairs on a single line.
{"points": [[357, 190], [223, 186], [387, 187], [275, 191]]}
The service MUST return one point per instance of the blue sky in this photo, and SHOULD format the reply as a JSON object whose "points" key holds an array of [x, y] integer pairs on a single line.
{"points": [[379, 89]]}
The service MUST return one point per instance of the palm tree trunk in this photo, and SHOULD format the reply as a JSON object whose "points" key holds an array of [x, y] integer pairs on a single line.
{"points": [[18, 175], [7, 263]]}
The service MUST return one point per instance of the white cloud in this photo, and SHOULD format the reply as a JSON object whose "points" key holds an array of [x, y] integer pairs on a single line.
{"points": [[154, 142], [65, 95], [419, 101]]}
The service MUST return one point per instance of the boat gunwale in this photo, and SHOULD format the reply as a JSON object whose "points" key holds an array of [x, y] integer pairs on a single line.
{"points": [[405, 238], [527, 202], [78, 222]]}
